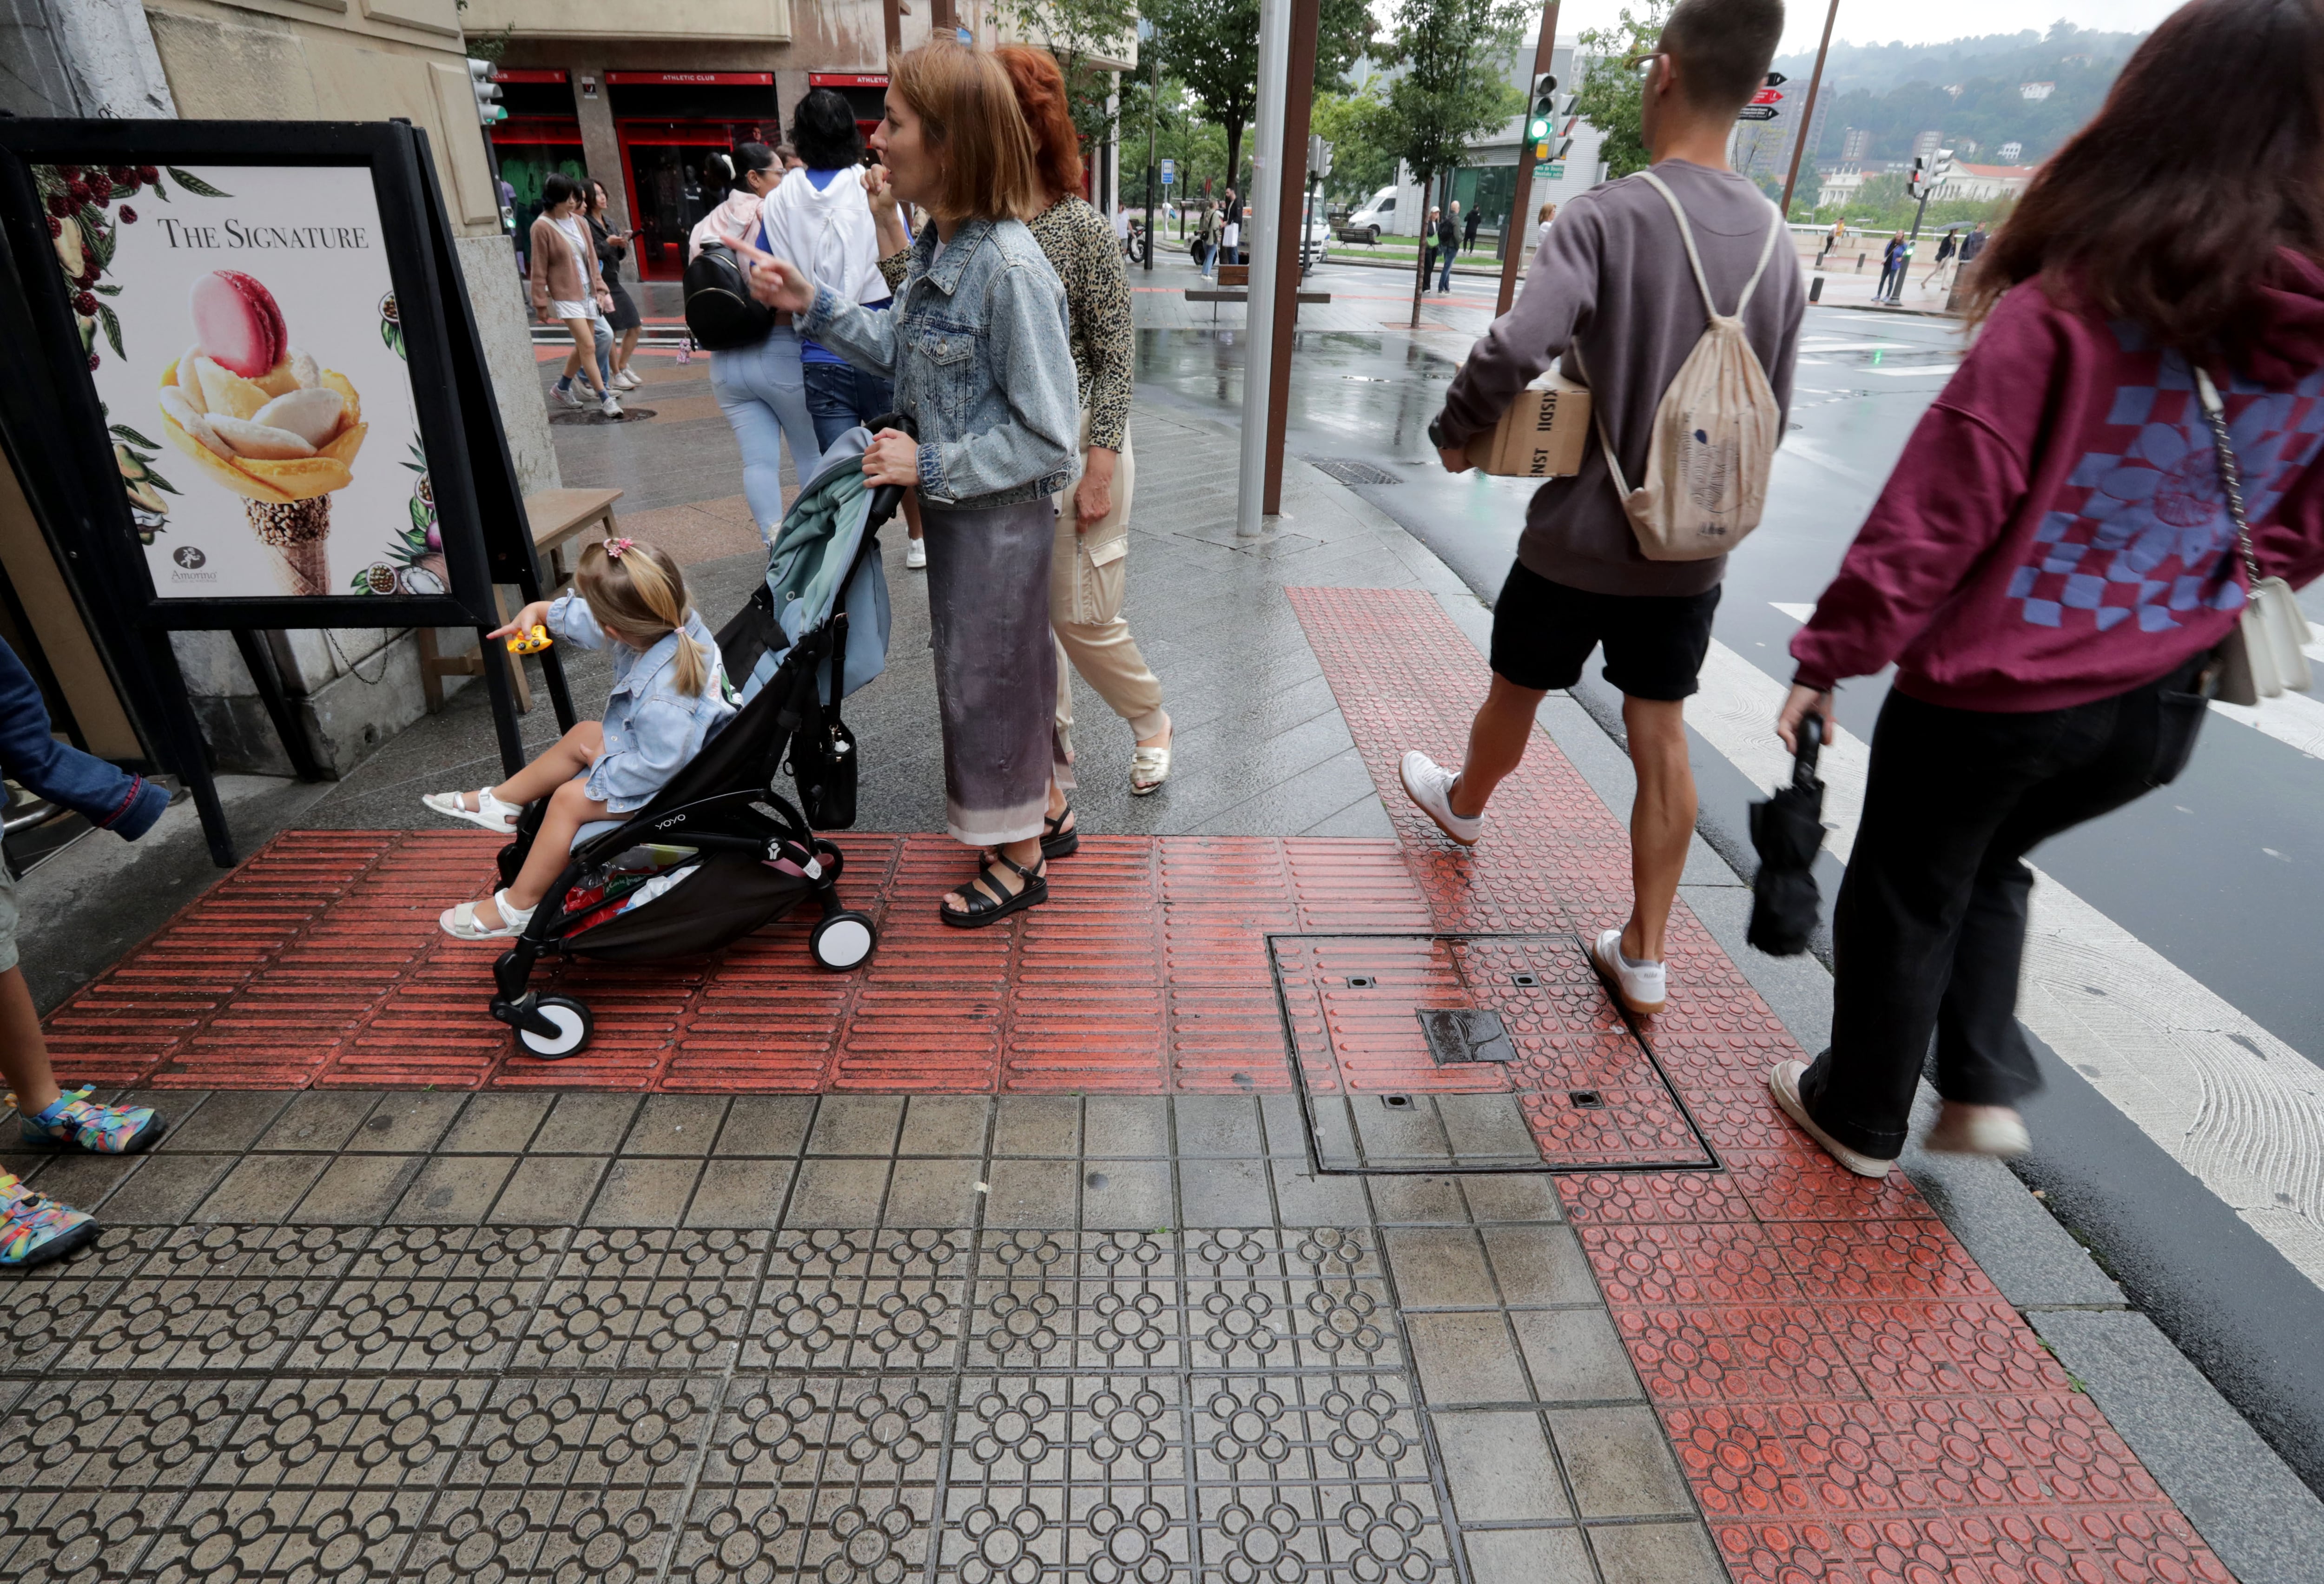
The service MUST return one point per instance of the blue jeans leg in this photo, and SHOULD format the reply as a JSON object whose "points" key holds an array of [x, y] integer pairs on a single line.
{"points": [[761, 391], [839, 396]]}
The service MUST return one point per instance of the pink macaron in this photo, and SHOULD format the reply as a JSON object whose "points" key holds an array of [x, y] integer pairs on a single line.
{"points": [[237, 323]]}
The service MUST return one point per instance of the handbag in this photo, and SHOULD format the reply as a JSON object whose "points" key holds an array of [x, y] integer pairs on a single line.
{"points": [[2266, 654], [721, 314]]}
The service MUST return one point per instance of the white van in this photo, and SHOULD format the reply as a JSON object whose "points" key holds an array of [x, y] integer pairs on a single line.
{"points": [[1375, 216]]}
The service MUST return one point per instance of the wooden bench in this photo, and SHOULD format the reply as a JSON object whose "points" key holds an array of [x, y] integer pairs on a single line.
{"points": [[1215, 296], [557, 518]]}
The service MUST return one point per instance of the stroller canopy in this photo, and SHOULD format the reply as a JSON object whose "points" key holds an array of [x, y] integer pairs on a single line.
{"points": [[812, 552]]}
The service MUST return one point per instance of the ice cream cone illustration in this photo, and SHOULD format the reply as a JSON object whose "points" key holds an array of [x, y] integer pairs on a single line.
{"points": [[265, 420]]}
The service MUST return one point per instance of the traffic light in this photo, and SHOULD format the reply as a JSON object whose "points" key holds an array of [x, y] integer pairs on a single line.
{"points": [[1319, 156], [1941, 169], [1917, 184], [1541, 122], [482, 76]]}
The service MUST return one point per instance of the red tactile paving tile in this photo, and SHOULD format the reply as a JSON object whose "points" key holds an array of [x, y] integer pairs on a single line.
{"points": [[1850, 1398]]}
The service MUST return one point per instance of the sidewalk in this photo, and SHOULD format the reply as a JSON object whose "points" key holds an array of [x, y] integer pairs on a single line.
{"points": [[1010, 1256]]}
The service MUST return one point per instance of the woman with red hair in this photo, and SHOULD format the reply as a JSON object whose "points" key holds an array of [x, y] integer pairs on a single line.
{"points": [[1086, 570]]}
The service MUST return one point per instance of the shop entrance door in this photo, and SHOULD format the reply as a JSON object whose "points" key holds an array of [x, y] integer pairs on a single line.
{"points": [[674, 182]]}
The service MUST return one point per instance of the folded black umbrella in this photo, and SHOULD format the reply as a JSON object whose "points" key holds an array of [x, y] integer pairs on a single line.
{"points": [[1787, 829]]}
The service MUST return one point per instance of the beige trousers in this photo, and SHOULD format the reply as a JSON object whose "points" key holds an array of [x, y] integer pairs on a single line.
{"points": [[1087, 572]]}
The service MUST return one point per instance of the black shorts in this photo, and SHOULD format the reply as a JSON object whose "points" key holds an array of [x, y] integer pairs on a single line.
{"points": [[1543, 631]]}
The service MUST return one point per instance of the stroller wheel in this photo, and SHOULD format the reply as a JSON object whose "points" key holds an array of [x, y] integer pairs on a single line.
{"points": [[829, 855], [842, 941], [573, 1025]]}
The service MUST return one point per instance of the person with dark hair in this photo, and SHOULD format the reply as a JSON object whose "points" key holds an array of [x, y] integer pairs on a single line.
{"points": [[1448, 246], [1973, 245], [567, 286], [978, 349], [1614, 292], [1469, 227], [2060, 552], [622, 319], [761, 389]]}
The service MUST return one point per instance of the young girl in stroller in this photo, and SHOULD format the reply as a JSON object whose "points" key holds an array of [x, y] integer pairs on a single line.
{"points": [[670, 696]]}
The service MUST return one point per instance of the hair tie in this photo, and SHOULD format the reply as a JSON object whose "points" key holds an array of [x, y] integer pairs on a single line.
{"points": [[614, 548]]}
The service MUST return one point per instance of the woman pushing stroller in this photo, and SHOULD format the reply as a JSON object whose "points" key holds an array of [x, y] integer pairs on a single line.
{"points": [[669, 697]]}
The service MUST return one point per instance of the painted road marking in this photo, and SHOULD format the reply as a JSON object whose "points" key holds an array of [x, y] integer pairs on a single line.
{"points": [[1927, 368], [2228, 1100], [1858, 347]]}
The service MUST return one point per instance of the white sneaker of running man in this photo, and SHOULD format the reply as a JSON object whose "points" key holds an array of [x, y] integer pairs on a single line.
{"points": [[1644, 987], [628, 380], [1783, 1082], [1429, 784]]}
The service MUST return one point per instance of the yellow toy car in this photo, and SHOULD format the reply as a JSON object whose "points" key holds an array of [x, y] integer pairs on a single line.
{"points": [[531, 643]]}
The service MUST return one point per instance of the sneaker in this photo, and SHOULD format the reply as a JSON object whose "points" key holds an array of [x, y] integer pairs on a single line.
{"points": [[566, 394], [74, 1122], [916, 554], [609, 407], [1967, 1129], [35, 1229], [1429, 784], [1643, 987], [627, 381], [1784, 1081]]}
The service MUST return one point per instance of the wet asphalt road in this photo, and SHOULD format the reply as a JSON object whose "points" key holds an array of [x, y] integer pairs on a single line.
{"points": [[2220, 872]]}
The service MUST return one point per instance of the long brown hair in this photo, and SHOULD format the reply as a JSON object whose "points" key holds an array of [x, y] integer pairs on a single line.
{"points": [[639, 596], [968, 112], [1041, 94], [2168, 208]]}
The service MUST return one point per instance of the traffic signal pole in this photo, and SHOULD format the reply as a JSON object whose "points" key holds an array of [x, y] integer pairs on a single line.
{"points": [[1153, 131], [1516, 228], [1807, 117]]}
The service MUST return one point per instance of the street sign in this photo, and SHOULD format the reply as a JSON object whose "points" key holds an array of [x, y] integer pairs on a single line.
{"points": [[1169, 172], [1552, 172], [1776, 79], [1757, 113], [1766, 96]]}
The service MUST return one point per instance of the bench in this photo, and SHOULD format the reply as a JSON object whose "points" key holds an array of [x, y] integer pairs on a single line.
{"points": [[557, 518]]}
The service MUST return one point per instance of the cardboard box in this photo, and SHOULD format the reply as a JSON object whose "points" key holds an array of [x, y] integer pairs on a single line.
{"points": [[1544, 434]]}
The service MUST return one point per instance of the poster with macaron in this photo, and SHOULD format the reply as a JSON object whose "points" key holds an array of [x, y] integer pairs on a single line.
{"points": [[240, 326]]}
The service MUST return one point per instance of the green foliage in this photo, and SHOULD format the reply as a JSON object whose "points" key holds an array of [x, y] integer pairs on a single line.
{"points": [[1456, 84], [1343, 36], [1181, 133], [1078, 32], [1357, 127], [1884, 204], [1610, 96], [491, 47], [1211, 48]]}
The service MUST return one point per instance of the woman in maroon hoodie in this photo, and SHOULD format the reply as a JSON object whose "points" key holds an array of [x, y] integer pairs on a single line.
{"points": [[2052, 562]]}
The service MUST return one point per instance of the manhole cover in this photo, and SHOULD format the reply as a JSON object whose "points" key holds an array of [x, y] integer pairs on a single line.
{"points": [[1354, 473], [1471, 1053]]}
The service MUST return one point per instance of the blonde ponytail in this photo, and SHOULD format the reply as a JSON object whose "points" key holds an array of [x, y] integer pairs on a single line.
{"points": [[639, 595]]}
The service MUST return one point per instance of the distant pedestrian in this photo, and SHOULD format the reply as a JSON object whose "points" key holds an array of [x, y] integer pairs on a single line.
{"points": [[1429, 229], [1541, 226], [622, 319], [2054, 563], [1837, 234], [1230, 238], [1614, 297], [978, 346], [567, 289], [1206, 237], [1973, 245], [1944, 257], [1468, 230], [1892, 264], [33, 1228], [1448, 246]]}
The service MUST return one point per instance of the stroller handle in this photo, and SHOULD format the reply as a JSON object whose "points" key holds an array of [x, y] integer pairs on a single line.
{"points": [[888, 497]]}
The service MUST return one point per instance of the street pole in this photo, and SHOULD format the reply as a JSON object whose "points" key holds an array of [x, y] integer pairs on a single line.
{"points": [[1153, 115], [1513, 256], [1298, 108], [1807, 120], [1266, 239], [891, 17]]}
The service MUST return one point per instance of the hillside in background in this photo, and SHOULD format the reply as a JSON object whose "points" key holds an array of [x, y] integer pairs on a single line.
{"points": [[1971, 90]]}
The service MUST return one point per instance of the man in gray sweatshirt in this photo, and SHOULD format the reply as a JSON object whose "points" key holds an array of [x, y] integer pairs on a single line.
{"points": [[1613, 295]]}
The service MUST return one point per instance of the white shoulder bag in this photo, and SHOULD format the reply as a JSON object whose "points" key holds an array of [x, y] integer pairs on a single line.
{"points": [[2265, 656]]}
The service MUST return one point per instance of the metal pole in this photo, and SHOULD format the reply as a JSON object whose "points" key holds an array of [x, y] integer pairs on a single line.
{"points": [[1153, 117], [892, 21], [1807, 117], [1513, 254], [1266, 227], [1291, 180]]}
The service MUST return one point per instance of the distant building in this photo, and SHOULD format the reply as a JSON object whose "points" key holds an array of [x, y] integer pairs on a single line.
{"points": [[1855, 143], [1984, 183], [1924, 147], [2036, 90], [1838, 186], [2010, 152]]}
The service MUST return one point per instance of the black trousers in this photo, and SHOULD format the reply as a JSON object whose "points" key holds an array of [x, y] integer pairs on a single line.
{"points": [[1929, 928]]}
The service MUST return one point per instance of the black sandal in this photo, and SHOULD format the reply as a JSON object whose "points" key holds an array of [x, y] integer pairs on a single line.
{"points": [[989, 902], [1057, 841]]}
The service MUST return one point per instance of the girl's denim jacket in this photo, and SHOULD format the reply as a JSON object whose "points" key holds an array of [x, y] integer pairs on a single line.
{"points": [[652, 730], [977, 346]]}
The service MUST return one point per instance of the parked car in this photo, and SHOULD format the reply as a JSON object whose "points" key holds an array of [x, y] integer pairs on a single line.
{"points": [[1370, 220]]}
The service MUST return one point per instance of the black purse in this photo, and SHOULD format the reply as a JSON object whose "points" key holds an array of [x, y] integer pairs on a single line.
{"points": [[721, 314]]}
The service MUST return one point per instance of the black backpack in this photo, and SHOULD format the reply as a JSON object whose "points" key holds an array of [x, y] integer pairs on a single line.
{"points": [[720, 312]]}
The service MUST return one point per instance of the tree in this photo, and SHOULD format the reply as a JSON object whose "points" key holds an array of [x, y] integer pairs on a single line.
{"points": [[1454, 86], [1079, 33], [1354, 125], [1611, 93]]}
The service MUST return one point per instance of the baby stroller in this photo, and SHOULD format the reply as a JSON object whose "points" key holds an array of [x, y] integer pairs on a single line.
{"points": [[721, 852]]}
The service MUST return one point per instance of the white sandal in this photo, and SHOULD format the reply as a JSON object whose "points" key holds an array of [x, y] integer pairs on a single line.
{"points": [[1148, 769], [498, 818], [460, 923]]}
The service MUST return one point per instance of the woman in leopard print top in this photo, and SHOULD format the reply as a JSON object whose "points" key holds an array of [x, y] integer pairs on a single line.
{"points": [[1086, 570]]}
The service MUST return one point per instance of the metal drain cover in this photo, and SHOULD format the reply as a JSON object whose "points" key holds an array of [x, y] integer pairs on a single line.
{"points": [[1347, 472], [1465, 1034]]}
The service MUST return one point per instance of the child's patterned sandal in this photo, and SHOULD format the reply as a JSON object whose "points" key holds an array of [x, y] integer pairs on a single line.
{"points": [[35, 1229], [77, 1123]]}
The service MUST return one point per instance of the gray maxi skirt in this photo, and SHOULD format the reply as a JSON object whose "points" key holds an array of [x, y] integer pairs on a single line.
{"points": [[996, 667]]}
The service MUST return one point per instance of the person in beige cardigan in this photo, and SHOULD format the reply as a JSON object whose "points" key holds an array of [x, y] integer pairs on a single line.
{"points": [[567, 285]]}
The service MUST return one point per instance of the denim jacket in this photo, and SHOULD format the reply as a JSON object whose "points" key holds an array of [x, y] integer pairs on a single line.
{"points": [[977, 346], [110, 797], [652, 730]]}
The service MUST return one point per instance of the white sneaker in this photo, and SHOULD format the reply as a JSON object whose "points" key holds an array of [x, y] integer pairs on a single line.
{"points": [[1429, 784], [916, 554], [1783, 1082], [566, 394], [1966, 1129], [1644, 987], [609, 407], [627, 381]]}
